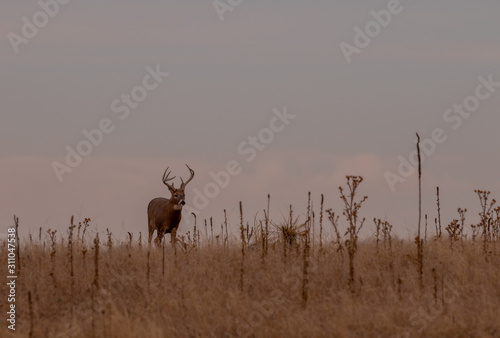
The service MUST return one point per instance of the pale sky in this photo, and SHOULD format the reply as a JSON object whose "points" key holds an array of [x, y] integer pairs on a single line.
{"points": [[226, 77]]}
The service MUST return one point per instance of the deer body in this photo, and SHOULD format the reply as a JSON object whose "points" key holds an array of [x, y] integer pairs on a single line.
{"points": [[163, 218], [164, 215]]}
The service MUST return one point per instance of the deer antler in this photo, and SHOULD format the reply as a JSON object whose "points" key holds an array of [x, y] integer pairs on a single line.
{"points": [[166, 179], [183, 185]]}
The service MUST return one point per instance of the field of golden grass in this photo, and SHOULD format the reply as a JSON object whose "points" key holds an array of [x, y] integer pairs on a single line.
{"points": [[269, 281], [198, 292]]}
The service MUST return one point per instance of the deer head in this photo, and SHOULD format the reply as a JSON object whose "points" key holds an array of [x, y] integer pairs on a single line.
{"points": [[178, 197]]}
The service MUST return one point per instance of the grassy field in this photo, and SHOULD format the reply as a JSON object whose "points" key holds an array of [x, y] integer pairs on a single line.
{"points": [[270, 281]]}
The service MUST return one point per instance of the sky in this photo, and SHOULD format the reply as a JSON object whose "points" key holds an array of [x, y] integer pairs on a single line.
{"points": [[280, 98]]}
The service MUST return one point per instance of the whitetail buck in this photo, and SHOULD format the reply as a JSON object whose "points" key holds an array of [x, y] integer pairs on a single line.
{"points": [[164, 215]]}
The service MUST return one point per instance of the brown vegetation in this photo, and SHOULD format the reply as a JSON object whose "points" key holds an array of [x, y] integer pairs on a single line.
{"points": [[264, 283]]}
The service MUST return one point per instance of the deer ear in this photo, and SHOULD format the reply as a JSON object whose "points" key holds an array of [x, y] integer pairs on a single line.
{"points": [[172, 189]]}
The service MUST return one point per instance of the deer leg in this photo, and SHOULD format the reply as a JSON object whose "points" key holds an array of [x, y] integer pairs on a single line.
{"points": [[150, 236], [159, 237], [172, 236], [151, 230]]}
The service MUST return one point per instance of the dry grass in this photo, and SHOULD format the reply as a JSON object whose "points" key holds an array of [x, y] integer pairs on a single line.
{"points": [[202, 295], [76, 286]]}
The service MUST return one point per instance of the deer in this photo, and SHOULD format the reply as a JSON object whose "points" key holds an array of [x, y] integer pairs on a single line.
{"points": [[164, 215]]}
